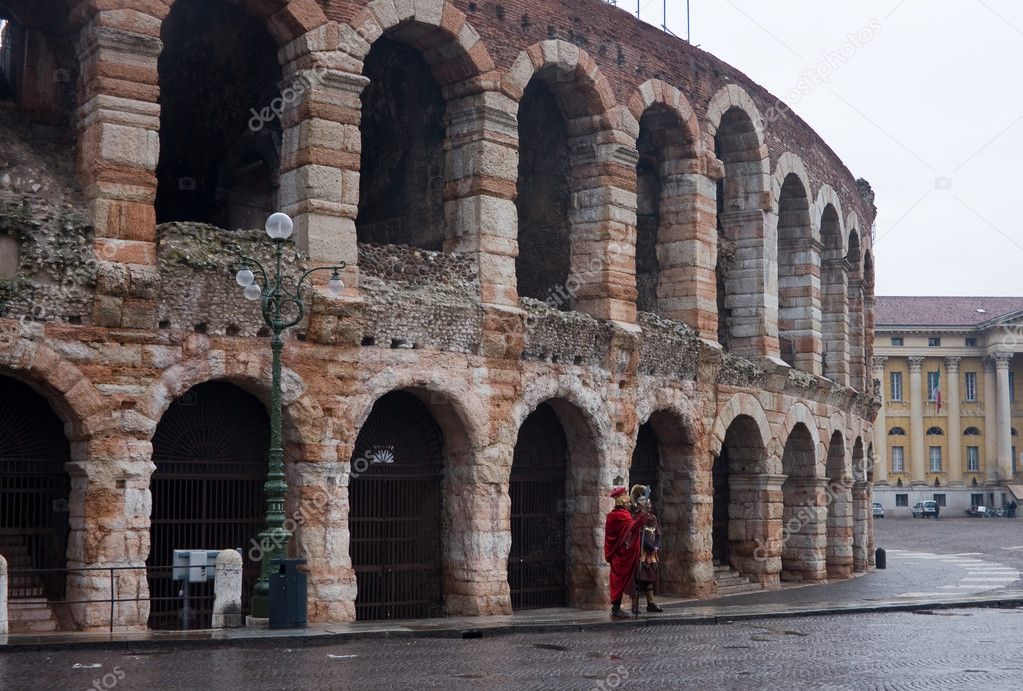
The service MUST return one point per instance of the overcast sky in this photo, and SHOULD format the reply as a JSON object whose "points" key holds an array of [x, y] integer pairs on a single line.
{"points": [[928, 106]]}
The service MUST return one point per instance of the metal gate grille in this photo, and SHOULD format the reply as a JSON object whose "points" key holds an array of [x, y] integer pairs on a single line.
{"points": [[538, 560], [34, 489], [210, 451], [396, 506], [646, 461]]}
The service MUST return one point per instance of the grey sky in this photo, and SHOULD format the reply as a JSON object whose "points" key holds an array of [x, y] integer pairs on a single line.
{"points": [[929, 109]]}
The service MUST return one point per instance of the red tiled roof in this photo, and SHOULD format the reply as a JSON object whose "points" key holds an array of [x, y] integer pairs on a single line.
{"points": [[897, 310]]}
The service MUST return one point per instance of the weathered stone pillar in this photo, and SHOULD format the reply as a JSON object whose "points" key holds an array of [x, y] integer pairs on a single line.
{"points": [[321, 146], [478, 505], [954, 424], [686, 513], [480, 186], [857, 333], [799, 311], [755, 530], [991, 420], [1002, 361], [917, 459], [118, 123], [687, 244], [881, 426], [835, 319], [227, 590], [861, 524], [109, 517], [603, 221], [840, 528], [804, 530], [751, 289]]}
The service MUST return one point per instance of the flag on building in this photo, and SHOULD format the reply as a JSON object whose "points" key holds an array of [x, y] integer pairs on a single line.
{"points": [[936, 393]]}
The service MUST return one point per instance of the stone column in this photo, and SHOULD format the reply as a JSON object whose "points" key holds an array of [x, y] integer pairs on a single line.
{"points": [[881, 456], [954, 424], [755, 531], [917, 459], [861, 524], [687, 244], [990, 421], [1002, 362], [118, 123], [840, 528], [751, 288], [805, 530], [835, 320], [481, 177], [109, 527], [857, 347]]}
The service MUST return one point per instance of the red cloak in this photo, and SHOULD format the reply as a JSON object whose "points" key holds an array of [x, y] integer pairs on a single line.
{"points": [[622, 546]]}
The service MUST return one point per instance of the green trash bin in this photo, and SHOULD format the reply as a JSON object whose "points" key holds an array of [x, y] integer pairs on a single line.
{"points": [[288, 597]]}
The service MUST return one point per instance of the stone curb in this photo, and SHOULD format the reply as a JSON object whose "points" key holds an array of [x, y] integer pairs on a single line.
{"points": [[199, 639]]}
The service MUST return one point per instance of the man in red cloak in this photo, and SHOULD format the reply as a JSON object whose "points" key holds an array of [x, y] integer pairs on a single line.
{"points": [[622, 546]]}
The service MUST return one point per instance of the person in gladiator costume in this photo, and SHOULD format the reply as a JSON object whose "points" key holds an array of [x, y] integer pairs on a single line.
{"points": [[648, 567], [622, 549]]}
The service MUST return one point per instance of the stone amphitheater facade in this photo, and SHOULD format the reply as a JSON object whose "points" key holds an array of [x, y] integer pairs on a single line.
{"points": [[658, 250]]}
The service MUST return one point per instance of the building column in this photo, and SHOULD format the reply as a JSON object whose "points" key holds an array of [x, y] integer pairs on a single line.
{"points": [[917, 460], [880, 428], [1002, 362], [861, 524], [990, 421], [954, 425]]}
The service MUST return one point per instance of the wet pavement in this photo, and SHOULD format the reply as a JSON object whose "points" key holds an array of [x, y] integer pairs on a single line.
{"points": [[920, 650]]}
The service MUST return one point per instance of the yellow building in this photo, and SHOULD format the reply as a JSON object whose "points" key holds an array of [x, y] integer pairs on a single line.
{"points": [[949, 425]]}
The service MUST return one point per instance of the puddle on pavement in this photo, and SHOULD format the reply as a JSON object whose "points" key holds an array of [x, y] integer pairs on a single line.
{"points": [[550, 646]]}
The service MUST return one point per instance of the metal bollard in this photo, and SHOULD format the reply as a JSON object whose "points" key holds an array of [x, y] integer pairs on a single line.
{"points": [[880, 558]]}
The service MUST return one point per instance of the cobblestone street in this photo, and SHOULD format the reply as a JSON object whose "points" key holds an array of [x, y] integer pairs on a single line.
{"points": [[925, 649], [940, 649]]}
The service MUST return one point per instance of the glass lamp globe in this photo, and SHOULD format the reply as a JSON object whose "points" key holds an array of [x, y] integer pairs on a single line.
{"points": [[279, 226], [335, 285], [244, 277], [253, 292]]}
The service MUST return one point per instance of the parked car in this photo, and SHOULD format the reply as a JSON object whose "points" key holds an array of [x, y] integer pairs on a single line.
{"points": [[878, 510], [923, 509]]}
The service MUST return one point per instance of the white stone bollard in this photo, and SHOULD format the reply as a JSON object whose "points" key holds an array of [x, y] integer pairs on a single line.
{"points": [[4, 624], [227, 590]]}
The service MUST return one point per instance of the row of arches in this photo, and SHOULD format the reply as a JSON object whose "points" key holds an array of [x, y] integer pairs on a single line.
{"points": [[415, 533], [577, 200]]}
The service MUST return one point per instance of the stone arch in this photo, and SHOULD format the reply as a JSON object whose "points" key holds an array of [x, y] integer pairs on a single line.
{"points": [[746, 288], [804, 536], [799, 413], [826, 195], [740, 404], [788, 164], [654, 92], [827, 215], [573, 137]]}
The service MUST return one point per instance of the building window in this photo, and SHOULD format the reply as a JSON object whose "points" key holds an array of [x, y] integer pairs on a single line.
{"points": [[935, 431], [935, 459], [971, 432], [973, 459], [902, 500], [940, 500], [896, 340], [971, 342], [976, 500], [1012, 386], [898, 459], [933, 384], [971, 386], [933, 342], [895, 386], [896, 432]]}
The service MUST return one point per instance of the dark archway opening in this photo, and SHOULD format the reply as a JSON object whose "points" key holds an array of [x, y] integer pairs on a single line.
{"points": [[220, 106], [646, 461], [210, 450], [544, 184], [795, 298], [721, 547], [34, 491], [648, 211], [538, 561], [742, 456], [396, 511], [840, 518], [401, 184], [12, 41]]}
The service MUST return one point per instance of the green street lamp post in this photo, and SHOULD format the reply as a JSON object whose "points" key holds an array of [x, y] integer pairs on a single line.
{"points": [[281, 309]]}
